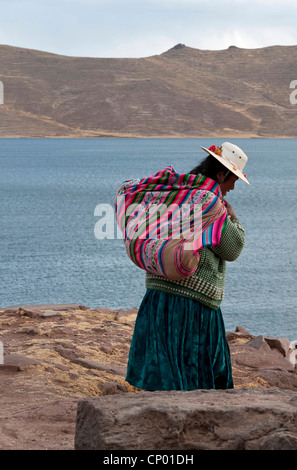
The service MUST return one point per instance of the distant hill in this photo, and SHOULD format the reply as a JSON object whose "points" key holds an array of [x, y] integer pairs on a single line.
{"points": [[183, 92]]}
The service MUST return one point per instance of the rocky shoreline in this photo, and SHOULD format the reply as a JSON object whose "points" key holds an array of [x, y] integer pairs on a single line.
{"points": [[56, 355]]}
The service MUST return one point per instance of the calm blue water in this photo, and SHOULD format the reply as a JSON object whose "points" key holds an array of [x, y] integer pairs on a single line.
{"points": [[49, 254]]}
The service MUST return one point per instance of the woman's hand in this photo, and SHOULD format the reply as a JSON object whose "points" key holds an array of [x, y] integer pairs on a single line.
{"points": [[229, 209]]}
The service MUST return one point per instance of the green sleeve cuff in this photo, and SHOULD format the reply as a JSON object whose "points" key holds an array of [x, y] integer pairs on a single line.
{"points": [[232, 241]]}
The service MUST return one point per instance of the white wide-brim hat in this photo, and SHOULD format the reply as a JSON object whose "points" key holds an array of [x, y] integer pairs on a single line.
{"points": [[231, 156]]}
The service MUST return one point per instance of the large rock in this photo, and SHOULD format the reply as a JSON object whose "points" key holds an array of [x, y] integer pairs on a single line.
{"points": [[262, 361], [244, 419]]}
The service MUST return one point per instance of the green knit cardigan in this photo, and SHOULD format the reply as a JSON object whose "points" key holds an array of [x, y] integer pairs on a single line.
{"points": [[207, 284]]}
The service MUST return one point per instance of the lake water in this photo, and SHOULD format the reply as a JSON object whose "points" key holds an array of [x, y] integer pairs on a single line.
{"points": [[49, 252]]}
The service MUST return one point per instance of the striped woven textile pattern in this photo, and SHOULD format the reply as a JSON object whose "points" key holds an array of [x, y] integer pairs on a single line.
{"points": [[167, 218]]}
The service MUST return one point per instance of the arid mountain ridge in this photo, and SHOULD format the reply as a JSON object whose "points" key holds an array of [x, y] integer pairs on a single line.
{"points": [[184, 92]]}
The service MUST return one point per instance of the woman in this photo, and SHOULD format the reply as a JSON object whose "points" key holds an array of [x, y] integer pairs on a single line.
{"points": [[179, 340]]}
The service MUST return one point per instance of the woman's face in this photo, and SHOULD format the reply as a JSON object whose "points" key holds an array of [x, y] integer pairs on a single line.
{"points": [[228, 184]]}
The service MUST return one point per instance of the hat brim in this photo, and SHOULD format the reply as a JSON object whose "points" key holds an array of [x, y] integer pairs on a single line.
{"points": [[228, 165]]}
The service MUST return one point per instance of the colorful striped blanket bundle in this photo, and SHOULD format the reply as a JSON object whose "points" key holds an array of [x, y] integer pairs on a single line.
{"points": [[167, 218]]}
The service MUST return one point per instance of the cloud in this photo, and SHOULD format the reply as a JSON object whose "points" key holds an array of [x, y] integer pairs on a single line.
{"points": [[248, 38], [133, 28], [269, 3], [214, 4]]}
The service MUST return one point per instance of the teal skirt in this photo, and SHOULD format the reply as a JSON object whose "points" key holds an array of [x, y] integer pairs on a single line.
{"points": [[178, 344]]}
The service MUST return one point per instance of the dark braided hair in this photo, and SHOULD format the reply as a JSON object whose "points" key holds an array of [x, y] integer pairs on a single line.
{"points": [[210, 167]]}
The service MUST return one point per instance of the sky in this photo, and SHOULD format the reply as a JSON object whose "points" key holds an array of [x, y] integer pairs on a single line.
{"points": [[141, 28]]}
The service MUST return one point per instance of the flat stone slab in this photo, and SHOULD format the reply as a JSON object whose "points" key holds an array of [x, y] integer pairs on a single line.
{"points": [[14, 362], [244, 419], [51, 313], [89, 364]]}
